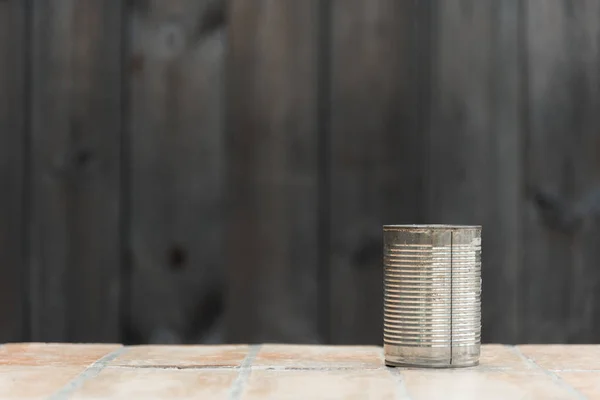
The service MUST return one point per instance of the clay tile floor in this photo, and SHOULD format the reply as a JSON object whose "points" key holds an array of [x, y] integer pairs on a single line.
{"points": [[93, 371]]}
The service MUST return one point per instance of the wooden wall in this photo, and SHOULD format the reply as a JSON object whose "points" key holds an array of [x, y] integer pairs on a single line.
{"points": [[209, 171]]}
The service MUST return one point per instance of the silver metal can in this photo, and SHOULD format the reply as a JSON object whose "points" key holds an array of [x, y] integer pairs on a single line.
{"points": [[432, 300]]}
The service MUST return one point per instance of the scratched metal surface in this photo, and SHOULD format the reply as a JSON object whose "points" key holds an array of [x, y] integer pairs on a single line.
{"points": [[432, 300]]}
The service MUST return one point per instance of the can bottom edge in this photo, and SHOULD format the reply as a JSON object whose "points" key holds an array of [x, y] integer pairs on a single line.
{"points": [[401, 364], [432, 357]]}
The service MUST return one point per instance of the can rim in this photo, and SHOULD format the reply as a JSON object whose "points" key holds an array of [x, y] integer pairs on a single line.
{"points": [[428, 226]]}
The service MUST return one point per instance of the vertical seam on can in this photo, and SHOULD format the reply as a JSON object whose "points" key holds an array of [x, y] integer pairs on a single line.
{"points": [[451, 293]]}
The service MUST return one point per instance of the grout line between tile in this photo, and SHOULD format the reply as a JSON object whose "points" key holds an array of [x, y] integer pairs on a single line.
{"points": [[178, 367], [254, 367], [401, 391], [237, 387], [90, 372], [283, 368], [314, 368], [561, 382]]}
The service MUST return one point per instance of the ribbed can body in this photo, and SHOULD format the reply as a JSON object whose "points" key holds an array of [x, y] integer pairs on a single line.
{"points": [[432, 300]]}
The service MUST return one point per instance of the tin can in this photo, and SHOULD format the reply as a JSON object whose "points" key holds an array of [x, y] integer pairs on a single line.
{"points": [[432, 299]]}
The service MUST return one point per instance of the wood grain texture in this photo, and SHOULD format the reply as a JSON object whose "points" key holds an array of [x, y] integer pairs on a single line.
{"points": [[379, 55], [232, 181], [76, 128], [13, 116], [474, 144], [501, 312], [583, 51], [560, 266], [271, 246], [176, 101]]}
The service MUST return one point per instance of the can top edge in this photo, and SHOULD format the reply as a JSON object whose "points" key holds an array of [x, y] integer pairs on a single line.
{"points": [[427, 227]]}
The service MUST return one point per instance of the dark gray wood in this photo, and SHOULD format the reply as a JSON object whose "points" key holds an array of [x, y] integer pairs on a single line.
{"points": [[547, 256], [232, 206], [474, 144], [13, 115], [502, 232], [582, 49], [561, 261], [271, 247], [176, 67], [75, 166], [379, 65]]}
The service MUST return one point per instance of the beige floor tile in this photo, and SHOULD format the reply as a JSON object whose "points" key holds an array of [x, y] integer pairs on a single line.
{"points": [[151, 383], [501, 357], [183, 356], [560, 357], [483, 385], [308, 356], [21, 382], [53, 354], [320, 385], [587, 383]]}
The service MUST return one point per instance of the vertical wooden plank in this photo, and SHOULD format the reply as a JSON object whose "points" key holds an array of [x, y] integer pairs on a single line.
{"points": [[76, 127], [502, 223], [176, 66], [271, 243], [547, 259], [474, 144], [560, 266], [584, 52], [379, 54], [13, 114]]}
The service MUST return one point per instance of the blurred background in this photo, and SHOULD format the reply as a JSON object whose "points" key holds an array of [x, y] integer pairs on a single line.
{"points": [[203, 171]]}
